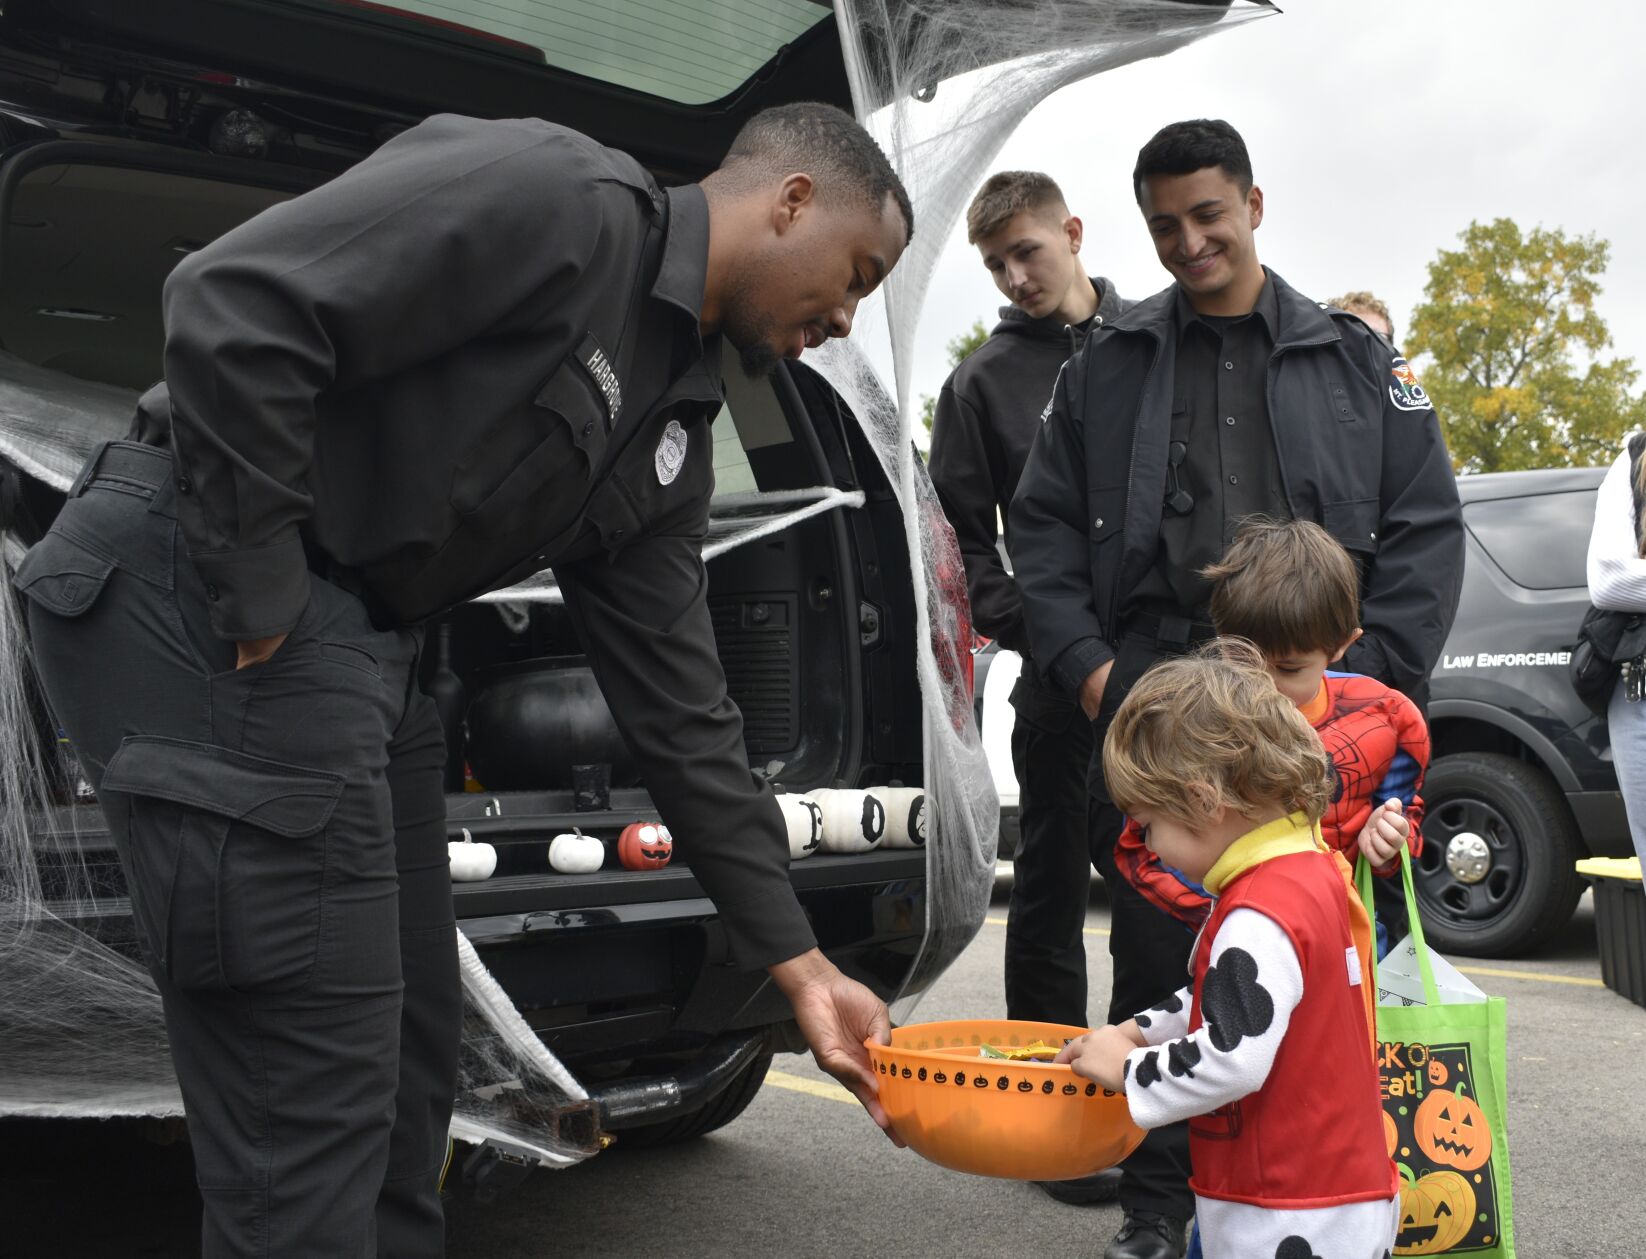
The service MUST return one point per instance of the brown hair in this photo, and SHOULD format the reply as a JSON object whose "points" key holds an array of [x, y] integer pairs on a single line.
{"points": [[1362, 302], [1287, 585], [1208, 730], [1007, 193]]}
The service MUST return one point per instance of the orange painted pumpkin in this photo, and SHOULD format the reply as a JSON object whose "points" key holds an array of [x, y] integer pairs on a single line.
{"points": [[1436, 1212], [1451, 1129], [1391, 1137], [1437, 1071], [645, 846]]}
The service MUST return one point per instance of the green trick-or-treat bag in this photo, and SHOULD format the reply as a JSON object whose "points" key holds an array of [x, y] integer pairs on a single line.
{"points": [[1441, 1054]]}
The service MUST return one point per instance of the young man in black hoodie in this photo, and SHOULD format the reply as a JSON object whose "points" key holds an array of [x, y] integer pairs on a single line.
{"points": [[987, 416]]}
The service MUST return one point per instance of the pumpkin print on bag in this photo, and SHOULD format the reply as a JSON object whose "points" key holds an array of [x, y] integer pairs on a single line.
{"points": [[1444, 1149], [1391, 1134], [1436, 1212], [1451, 1128]]}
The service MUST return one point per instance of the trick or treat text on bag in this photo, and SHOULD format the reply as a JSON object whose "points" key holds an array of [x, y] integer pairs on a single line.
{"points": [[1441, 1141]]}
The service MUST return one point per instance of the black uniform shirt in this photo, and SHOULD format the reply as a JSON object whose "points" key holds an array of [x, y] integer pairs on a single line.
{"points": [[1221, 465], [474, 355]]}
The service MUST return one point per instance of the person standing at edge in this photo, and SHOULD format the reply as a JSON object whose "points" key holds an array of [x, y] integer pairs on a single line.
{"points": [[1373, 311], [987, 416], [490, 348], [1225, 396]]}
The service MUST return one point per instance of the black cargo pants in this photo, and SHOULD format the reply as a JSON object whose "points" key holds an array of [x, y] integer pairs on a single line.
{"points": [[282, 830], [1051, 870]]}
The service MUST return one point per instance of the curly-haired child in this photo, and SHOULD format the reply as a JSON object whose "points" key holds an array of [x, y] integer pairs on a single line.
{"points": [[1267, 1053]]}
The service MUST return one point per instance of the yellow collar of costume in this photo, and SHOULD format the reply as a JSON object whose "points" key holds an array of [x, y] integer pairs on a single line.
{"points": [[1278, 838]]}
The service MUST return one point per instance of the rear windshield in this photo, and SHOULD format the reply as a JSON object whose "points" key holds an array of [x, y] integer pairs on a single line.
{"points": [[1541, 541], [691, 51]]}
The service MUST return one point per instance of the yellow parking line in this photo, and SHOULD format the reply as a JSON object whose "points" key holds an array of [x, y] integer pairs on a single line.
{"points": [[1091, 931], [814, 1088], [1494, 973]]}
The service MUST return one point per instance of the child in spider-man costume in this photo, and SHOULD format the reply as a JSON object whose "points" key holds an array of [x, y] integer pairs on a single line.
{"points": [[1292, 590]]}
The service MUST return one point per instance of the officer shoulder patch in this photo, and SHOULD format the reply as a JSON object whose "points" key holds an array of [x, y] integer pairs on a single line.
{"points": [[671, 453], [1405, 392]]}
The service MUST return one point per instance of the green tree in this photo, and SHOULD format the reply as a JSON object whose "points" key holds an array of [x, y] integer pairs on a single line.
{"points": [[959, 348], [1511, 342]]}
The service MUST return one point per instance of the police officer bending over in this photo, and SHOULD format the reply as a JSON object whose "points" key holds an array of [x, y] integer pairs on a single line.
{"points": [[489, 348]]}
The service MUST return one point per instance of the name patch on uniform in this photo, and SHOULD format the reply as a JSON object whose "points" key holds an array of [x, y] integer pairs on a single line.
{"points": [[1406, 393], [595, 362], [671, 453]]}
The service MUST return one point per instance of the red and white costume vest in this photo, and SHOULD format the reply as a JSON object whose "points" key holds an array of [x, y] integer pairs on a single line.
{"points": [[1313, 1134]]}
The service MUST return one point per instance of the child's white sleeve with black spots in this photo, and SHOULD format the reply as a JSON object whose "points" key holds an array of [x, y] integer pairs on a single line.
{"points": [[1167, 1021], [1252, 985]]}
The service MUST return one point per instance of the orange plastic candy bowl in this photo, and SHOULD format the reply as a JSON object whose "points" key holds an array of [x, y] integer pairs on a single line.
{"points": [[994, 1117]]}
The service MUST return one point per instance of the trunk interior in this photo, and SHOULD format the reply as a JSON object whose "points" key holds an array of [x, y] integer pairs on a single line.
{"points": [[813, 622]]}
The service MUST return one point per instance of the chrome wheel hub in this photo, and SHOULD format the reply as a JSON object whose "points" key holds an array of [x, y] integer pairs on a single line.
{"points": [[1468, 858]]}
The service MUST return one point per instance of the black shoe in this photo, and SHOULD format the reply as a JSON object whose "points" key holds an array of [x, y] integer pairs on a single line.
{"points": [[1088, 1191], [1145, 1235]]}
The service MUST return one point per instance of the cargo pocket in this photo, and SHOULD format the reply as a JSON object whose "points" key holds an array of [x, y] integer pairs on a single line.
{"points": [[61, 575], [227, 861], [1040, 705], [1353, 523]]}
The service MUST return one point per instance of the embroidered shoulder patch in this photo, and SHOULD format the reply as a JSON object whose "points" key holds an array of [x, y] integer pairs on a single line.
{"points": [[1406, 393], [671, 453]]}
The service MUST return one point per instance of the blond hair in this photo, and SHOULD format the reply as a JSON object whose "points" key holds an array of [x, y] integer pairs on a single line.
{"points": [[1210, 730], [1008, 193], [1287, 585], [1360, 302]]}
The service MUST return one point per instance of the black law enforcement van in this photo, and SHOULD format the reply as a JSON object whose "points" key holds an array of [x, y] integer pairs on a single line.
{"points": [[1521, 785], [133, 134]]}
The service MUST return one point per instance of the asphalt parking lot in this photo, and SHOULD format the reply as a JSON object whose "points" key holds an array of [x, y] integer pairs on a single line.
{"points": [[803, 1173]]}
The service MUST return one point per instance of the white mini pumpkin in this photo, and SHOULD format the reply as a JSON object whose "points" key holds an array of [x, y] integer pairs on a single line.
{"points": [[905, 816], [470, 862], [804, 818], [853, 821], [576, 853]]}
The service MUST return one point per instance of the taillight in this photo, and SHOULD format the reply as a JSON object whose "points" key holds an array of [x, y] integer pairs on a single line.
{"points": [[951, 618]]}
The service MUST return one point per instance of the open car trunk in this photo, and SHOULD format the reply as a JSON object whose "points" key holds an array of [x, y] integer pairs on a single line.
{"points": [[131, 135], [92, 229]]}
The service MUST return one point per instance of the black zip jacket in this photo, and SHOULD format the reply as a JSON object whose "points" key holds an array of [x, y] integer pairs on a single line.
{"points": [[1360, 450], [449, 368], [987, 416]]}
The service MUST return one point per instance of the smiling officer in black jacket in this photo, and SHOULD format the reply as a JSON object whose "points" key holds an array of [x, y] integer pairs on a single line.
{"points": [[987, 417], [489, 348], [1227, 395]]}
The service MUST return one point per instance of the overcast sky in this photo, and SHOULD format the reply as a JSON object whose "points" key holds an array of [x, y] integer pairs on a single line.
{"points": [[1377, 132]]}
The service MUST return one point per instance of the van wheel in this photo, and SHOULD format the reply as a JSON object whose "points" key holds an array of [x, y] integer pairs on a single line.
{"points": [[719, 1111], [1498, 872]]}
